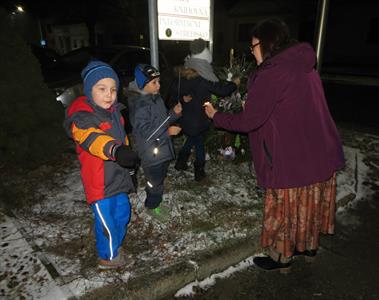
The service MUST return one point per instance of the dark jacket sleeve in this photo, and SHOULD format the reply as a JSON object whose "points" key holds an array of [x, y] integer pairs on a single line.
{"points": [[221, 88], [173, 95]]}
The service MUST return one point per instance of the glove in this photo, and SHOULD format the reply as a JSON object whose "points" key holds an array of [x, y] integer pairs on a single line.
{"points": [[126, 157]]}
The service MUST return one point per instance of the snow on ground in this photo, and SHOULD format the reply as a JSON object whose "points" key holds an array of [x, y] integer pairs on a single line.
{"points": [[202, 218], [228, 206], [22, 269], [355, 174], [360, 174]]}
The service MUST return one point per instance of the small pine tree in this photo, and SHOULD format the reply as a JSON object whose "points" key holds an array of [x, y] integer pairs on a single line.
{"points": [[30, 118]]}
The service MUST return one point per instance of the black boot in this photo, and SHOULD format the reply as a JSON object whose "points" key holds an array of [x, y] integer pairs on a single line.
{"points": [[181, 162], [309, 255], [268, 264], [199, 172]]}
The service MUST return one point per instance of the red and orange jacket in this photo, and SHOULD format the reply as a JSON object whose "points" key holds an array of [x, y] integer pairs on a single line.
{"points": [[95, 131]]}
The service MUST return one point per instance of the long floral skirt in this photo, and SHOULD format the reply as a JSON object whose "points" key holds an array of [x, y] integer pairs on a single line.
{"points": [[294, 218]]}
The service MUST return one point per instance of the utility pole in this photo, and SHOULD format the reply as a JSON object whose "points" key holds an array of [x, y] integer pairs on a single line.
{"points": [[153, 33], [211, 22], [323, 9]]}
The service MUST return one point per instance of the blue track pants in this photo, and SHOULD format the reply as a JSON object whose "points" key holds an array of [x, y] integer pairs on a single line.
{"points": [[112, 216]]}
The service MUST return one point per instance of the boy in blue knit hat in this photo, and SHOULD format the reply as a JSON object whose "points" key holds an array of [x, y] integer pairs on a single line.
{"points": [[151, 129], [95, 124]]}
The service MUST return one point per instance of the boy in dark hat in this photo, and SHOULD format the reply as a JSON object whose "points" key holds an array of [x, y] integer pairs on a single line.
{"points": [[95, 124], [151, 130]]}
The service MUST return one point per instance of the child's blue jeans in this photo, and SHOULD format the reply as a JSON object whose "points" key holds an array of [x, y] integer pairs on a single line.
{"points": [[112, 216]]}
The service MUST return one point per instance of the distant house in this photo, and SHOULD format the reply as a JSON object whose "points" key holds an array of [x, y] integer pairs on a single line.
{"points": [[68, 37]]}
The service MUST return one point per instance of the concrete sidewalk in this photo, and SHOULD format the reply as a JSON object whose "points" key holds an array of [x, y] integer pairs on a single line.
{"points": [[24, 270]]}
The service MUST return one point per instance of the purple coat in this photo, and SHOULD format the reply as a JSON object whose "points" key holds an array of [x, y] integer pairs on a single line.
{"points": [[293, 139]]}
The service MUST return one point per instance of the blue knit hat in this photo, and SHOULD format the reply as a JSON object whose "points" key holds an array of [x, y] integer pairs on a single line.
{"points": [[144, 74], [95, 71]]}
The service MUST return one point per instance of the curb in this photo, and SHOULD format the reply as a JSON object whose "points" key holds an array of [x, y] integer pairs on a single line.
{"points": [[167, 282]]}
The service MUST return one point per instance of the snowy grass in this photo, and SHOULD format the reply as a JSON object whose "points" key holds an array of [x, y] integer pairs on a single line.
{"points": [[58, 222], [203, 217]]}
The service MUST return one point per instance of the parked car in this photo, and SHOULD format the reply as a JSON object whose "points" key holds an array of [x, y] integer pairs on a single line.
{"points": [[59, 78], [62, 73], [48, 58]]}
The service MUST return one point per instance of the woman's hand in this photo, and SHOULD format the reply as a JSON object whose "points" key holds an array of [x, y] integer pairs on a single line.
{"points": [[243, 102], [178, 108], [236, 80], [209, 110], [174, 130]]}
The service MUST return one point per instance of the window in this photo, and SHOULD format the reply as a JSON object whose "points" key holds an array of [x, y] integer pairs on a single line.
{"points": [[245, 31]]}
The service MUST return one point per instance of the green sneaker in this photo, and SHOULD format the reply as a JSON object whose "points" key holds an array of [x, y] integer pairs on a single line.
{"points": [[161, 213]]}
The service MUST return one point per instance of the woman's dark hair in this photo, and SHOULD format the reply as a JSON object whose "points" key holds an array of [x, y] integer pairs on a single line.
{"points": [[273, 35]]}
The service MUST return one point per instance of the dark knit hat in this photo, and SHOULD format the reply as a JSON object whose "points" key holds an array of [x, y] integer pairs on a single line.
{"points": [[144, 74], [197, 46], [95, 71]]}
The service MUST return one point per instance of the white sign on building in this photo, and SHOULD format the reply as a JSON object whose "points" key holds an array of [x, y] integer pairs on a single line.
{"points": [[183, 19]]}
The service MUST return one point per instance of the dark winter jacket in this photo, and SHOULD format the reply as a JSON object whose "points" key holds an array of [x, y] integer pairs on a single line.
{"points": [[95, 130], [147, 112], [194, 121], [293, 138]]}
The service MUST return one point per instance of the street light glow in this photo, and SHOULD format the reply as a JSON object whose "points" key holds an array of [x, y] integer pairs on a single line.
{"points": [[20, 9]]}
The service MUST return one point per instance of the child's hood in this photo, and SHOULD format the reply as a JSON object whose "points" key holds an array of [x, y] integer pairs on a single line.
{"points": [[134, 95], [133, 90]]}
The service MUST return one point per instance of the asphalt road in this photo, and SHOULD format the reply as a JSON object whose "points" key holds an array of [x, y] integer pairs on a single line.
{"points": [[346, 268]]}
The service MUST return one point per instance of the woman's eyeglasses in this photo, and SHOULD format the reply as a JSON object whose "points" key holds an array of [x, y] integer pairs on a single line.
{"points": [[253, 46]]}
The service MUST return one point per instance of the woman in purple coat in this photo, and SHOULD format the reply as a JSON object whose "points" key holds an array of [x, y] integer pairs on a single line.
{"points": [[294, 143]]}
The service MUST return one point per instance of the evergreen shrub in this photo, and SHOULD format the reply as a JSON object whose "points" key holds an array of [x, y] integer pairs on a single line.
{"points": [[31, 131]]}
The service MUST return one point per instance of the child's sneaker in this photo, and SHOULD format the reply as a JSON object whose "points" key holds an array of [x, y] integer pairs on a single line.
{"points": [[118, 262], [161, 213]]}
